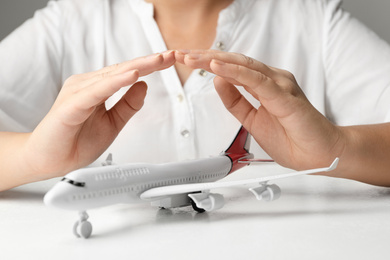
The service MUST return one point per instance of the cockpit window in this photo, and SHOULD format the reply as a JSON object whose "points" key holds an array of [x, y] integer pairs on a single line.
{"points": [[74, 183]]}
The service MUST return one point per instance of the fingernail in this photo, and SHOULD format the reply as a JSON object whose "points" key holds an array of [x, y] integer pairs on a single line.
{"points": [[184, 51], [168, 52], [218, 62], [193, 56], [155, 55], [132, 73]]}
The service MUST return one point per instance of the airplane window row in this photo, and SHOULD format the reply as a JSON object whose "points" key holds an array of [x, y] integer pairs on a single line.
{"points": [[137, 171], [214, 175], [189, 179], [142, 187], [121, 173], [105, 193]]}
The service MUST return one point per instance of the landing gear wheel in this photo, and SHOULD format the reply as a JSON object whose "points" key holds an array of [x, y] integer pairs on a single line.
{"points": [[199, 210], [85, 229], [82, 228]]}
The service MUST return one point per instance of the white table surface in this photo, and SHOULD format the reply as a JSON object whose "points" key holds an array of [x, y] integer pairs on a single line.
{"points": [[315, 218]]}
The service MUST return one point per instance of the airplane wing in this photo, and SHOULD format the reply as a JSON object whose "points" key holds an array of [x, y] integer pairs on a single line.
{"points": [[189, 188]]}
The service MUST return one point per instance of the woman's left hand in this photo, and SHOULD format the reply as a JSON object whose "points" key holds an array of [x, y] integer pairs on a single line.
{"points": [[286, 125]]}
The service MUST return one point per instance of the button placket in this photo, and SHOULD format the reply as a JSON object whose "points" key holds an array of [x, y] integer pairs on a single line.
{"points": [[220, 45], [185, 133], [203, 73], [180, 98], [184, 126]]}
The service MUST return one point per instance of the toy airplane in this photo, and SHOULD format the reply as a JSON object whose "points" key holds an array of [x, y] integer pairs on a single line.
{"points": [[164, 185]]}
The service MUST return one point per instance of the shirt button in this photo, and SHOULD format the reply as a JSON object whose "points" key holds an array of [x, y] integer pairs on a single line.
{"points": [[203, 73], [221, 46], [180, 98], [185, 133]]}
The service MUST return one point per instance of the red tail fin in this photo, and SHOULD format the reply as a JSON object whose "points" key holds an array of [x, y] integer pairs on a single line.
{"points": [[240, 144], [239, 149]]}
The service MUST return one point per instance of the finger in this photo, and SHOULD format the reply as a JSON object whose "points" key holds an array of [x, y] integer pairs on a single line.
{"points": [[248, 89], [145, 65], [128, 105], [234, 102], [263, 86], [81, 105], [259, 122], [101, 90], [181, 54], [203, 58], [166, 60]]}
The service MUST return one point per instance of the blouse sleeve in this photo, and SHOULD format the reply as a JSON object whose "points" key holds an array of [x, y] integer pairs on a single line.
{"points": [[30, 75], [357, 67]]}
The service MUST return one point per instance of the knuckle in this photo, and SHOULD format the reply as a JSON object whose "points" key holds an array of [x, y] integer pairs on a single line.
{"points": [[286, 80], [287, 74], [72, 79], [248, 60], [234, 103], [114, 66], [104, 75], [289, 88], [238, 72], [261, 77]]}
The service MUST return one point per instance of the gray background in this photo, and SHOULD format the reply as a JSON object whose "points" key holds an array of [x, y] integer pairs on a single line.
{"points": [[374, 13]]}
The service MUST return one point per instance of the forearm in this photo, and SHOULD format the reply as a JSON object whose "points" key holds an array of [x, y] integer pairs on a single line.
{"points": [[15, 170], [366, 156]]}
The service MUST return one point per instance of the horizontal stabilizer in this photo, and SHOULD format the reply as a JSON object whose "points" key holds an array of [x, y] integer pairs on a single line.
{"points": [[108, 160], [255, 160]]}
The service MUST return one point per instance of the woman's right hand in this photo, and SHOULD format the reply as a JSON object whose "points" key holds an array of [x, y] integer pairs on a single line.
{"points": [[78, 128]]}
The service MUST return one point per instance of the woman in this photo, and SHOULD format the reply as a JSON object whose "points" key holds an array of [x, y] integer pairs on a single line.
{"points": [[340, 65]]}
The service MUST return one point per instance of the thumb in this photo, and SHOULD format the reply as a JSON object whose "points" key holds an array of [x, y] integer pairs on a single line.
{"points": [[129, 104], [235, 103]]}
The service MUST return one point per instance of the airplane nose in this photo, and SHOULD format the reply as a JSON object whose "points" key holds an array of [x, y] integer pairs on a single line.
{"points": [[51, 198], [58, 196]]}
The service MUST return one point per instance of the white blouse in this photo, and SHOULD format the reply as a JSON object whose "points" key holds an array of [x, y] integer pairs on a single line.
{"points": [[342, 66]]}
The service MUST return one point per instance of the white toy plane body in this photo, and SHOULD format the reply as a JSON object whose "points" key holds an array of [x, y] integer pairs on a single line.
{"points": [[164, 185]]}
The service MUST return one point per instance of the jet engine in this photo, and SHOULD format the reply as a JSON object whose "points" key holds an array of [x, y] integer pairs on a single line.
{"points": [[267, 192], [173, 201], [207, 201]]}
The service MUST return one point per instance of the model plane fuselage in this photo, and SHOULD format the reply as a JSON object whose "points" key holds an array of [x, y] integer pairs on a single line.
{"points": [[101, 186]]}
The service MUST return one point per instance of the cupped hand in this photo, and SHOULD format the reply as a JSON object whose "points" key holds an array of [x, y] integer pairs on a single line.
{"points": [[79, 128], [286, 125]]}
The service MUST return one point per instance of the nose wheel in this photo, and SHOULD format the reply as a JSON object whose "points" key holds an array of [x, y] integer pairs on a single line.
{"points": [[82, 227]]}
